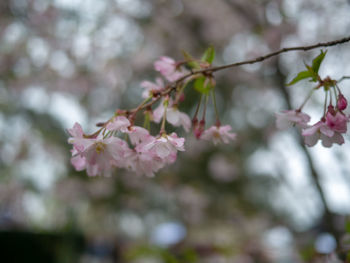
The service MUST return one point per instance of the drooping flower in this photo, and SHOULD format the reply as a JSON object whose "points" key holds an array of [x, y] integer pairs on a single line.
{"points": [[168, 68], [288, 118], [321, 131], [144, 161], [119, 123], [218, 134], [178, 118], [151, 88], [164, 146], [173, 116], [337, 122], [137, 134]]}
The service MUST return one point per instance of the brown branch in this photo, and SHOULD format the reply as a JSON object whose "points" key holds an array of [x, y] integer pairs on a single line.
{"points": [[262, 58], [208, 71], [343, 78]]}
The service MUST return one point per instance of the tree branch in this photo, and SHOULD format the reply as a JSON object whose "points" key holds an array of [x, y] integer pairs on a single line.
{"points": [[267, 56]]}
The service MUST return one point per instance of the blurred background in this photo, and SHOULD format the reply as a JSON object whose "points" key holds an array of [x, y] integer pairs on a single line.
{"points": [[263, 198]]}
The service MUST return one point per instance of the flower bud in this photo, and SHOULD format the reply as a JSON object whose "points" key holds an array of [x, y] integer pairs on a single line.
{"points": [[342, 102], [331, 109], [199, 128]]}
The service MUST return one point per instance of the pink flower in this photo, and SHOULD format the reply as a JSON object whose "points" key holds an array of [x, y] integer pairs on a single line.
{"points": [[337, 122], [151, 87], [119, 123], [99, 157], [164, 146], [168, 68], [107, 152], [173, 116], [137, 134], [342, 102], [144, 162], [288, 118], [79, 162], [321, 131], [178, 118], [218, 134], [80, 143]]}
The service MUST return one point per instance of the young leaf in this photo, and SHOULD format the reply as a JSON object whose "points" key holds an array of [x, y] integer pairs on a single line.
{"points": [[209, 55], [191, 62], [202, 85], [301, 75], [316, 63], [314, 75]]}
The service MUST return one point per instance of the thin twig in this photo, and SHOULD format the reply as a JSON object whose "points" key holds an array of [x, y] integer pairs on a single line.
{"points": [[343, 78], [267, 56], [172, 86]]}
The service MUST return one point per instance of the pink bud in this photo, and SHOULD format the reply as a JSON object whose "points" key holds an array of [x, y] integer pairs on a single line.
{"points": [[331, 109], [199, 128], [342, 102], [182, 97]]}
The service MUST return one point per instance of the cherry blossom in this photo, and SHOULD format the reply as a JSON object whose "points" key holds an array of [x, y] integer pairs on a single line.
{"points": [[103, 154], [321, 131], [288, 118], [119, 123], [144, 161], [168, 68], [178, 118], [80, 143], [137, 134], [173, 116], [78, 161], [150, 88], [337, 122], [94, 153], [218, 134], [165, 146]]}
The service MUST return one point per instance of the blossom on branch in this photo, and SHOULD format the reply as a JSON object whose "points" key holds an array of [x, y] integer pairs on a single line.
{"points": [[119, 123], [321, 131], [151, 88], [218, 134], [165, 145], [173, 116], [289, 118], [169, 68]]}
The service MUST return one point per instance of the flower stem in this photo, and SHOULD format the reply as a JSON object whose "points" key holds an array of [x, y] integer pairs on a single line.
{"points": [[205, 107], [306, 99], [215, 107], [162, 128], [325, 104], [198, 106]]}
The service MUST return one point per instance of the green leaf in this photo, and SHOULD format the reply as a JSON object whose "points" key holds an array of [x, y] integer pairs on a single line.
{"points": [[301, 75], [314, 75], [209, 55], [191, 62], [316, 63], [203, 85]]}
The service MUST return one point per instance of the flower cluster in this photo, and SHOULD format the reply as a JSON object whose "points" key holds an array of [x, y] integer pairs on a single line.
{"points": [[332, 125], [119, 143], [145, 154]]}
